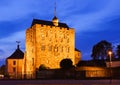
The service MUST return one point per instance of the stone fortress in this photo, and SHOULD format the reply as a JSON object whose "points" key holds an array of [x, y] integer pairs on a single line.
{"points": [[47, 43]]}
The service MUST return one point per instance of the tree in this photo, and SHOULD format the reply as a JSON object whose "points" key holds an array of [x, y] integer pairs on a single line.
{"points": [[118, 51], [2, 70], [100, 50], [66, 63], [82, 63], [98, 63]]}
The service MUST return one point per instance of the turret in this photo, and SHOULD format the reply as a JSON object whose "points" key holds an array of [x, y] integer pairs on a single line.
{"points": [[55, 19]]}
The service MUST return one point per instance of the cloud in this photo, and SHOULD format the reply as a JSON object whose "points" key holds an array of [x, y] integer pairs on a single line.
{"points": [[87, 20], [79, 14], [8, 44], [1, 51], [16, 36], [16, 9], [2, 61], [86, 16]]}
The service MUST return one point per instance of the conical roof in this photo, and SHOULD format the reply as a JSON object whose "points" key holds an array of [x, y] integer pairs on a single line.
{"points": [[18, 54], [55, 18]]}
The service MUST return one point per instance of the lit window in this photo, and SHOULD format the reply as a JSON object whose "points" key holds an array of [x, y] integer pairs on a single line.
{"points": [[14, 62], [43, 47], [68, 49], [14, 69], [47, 61], [56, 49], [43, 36], [61, 49]]}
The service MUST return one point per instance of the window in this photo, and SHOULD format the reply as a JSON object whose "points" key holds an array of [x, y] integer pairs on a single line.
{"points": [[61, 40], [50, 48], [46, 34], [43, 47], [14, 69], [55, 35], [68, 40], [43, 36], [14, 62], [31, 38], [61, 48], [65, 35], [67, 56], [56, 49], [47, 61], [32, 61], [68, 49]]}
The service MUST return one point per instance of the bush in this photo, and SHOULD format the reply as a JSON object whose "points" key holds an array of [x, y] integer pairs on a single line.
{"points": [[66, 63]]}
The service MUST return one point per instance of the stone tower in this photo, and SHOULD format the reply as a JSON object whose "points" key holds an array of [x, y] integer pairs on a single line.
{"points": [[14, 64], [48, 42]]}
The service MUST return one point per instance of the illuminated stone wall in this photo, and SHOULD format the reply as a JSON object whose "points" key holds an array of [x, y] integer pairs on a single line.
{"points": [[48, 45], [77, 56], [15, 68], [94, 71]]}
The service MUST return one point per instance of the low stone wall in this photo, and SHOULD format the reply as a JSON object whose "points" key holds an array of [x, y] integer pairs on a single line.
{"points": [[78, 73], [94, 71]]}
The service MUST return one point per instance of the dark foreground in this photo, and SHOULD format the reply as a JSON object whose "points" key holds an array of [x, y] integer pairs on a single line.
{"points": [[59, 82]]}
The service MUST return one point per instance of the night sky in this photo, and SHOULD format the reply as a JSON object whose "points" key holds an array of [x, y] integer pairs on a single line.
{"points": [[93, 21]]}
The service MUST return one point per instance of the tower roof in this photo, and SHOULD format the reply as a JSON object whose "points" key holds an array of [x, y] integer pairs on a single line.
{"points": [[55, 17], [50, 23], [18, 54]]}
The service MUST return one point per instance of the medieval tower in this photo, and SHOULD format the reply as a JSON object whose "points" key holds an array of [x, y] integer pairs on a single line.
{"points": [[47, 43]]}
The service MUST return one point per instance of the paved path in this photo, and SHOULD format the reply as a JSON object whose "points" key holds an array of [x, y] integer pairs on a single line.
{"points": [[59, 82]]}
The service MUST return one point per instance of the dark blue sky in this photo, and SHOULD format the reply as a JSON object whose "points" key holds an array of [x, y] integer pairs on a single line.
{"points": [[93, 20]]}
